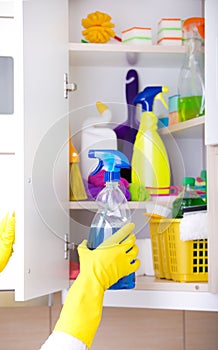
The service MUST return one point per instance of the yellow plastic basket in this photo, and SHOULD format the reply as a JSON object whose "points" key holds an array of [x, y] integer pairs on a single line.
{"points": [[182, 261]]}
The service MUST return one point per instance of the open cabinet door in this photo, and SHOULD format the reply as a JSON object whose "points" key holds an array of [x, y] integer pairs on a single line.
{"points": [[41, 173]]}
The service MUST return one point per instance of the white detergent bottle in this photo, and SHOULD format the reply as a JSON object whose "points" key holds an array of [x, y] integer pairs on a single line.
{"points": [[95, 135]]}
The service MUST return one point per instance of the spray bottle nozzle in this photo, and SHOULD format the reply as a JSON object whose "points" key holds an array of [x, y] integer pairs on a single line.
{"points": [[148, 95], [111, 161]]}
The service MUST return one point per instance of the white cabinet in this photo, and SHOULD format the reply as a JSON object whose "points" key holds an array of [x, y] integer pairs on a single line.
{"points": [[99, 71], [41, 130]]}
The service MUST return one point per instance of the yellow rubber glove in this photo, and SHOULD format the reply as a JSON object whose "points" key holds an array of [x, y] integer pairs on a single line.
{"points": [[7, 234], [99, 269]]}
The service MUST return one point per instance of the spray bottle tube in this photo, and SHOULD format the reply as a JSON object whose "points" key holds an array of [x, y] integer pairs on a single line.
{"points": [[113, 209]]}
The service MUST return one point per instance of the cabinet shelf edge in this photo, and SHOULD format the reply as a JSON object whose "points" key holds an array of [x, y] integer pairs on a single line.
{"points": [[181, 127]]}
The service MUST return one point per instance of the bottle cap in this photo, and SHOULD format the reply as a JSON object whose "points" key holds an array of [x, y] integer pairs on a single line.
{"points": [[101, 107], [204, 174], [188, 181], [197, 22]]}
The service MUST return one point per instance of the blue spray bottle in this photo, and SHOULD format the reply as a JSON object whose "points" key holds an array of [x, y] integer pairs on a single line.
{"points": [[113, 209]]}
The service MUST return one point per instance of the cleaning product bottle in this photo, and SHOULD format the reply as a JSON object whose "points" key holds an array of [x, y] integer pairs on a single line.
{"points": [[187, 198], [113, 211], [150, 164], [96, 134], [191, 100]]}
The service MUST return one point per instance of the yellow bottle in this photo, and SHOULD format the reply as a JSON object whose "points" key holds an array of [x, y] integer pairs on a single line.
{"points": [[150, 163]]}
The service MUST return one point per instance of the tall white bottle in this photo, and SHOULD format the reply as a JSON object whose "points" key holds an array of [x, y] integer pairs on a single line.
{"points": [[95, 135]]}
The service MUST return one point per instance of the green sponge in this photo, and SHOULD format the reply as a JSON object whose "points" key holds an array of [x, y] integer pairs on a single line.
{"points": [[138, 192]]}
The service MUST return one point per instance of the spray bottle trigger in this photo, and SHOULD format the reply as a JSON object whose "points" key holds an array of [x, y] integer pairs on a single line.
{"points": [[98, 167], [160, 97]]}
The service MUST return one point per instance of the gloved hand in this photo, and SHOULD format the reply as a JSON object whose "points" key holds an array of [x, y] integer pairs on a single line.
{"points": [[99, 269], [7, 233]]}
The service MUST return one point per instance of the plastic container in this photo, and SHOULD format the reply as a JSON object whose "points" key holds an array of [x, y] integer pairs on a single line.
{"points": [[96, 134], [163, 122], [169, 31], [150, 163], [187, 198], [173, 109], [113, 209], [170, 23], [181, 261], [191, 101]]}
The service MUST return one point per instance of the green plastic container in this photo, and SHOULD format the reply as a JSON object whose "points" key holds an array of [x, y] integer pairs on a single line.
{"points": [[189, 108], [187, 198]]}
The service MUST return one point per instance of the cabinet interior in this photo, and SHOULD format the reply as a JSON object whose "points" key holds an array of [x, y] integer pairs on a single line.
{"points": [[99, 70]]}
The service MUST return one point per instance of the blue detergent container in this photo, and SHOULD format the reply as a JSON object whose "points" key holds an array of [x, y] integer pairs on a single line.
{"points": [[113, 209]]}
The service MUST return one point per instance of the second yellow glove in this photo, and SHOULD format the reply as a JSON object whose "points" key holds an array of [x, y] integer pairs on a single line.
{"points": [[7, 233]]}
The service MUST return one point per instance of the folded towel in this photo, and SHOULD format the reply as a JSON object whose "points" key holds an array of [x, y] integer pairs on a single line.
{"points": [[194, 226]]}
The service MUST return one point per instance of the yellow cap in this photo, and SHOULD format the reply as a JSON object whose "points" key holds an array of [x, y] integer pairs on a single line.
{"points": [[101, 107], [165, 89]]}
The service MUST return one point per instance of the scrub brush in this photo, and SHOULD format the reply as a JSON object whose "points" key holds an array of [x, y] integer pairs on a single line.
{"points": [[156, 211], [77, 188]]}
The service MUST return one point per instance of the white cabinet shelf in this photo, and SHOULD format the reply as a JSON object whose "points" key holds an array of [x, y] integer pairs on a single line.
{"points": [[191, 128], [92, 205], [152, 283], [87, 54], [159, 293]]}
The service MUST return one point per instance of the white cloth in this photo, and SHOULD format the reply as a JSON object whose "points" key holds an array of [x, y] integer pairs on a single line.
{"points": [[194, 226], [63, 341]]}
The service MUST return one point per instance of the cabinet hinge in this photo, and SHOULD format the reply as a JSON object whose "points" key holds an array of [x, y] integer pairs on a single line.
{"points": [[68, 245], [66, 249], [68, 87]]}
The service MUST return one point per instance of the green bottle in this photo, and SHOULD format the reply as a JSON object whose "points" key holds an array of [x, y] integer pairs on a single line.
{"points": [[187, 198], [191, 101]]}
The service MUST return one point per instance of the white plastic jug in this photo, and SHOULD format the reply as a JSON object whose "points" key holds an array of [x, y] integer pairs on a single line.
{"points": [[96, 136]]}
